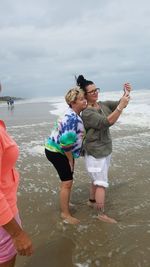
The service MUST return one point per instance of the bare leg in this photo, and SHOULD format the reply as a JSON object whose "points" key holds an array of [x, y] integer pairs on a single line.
{"points": [[10, 263], [64, 202], [91, 201], [100, 197], [100, 201], [92, 191]]}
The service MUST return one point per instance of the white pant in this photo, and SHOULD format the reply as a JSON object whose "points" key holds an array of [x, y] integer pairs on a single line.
{"points": [[98, 169]]}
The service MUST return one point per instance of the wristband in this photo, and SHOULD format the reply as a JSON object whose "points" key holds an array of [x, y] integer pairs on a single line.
{"points": [[119, 109]]}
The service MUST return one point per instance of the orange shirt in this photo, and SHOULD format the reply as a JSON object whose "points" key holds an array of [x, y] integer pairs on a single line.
{"points": [[9, 176]]}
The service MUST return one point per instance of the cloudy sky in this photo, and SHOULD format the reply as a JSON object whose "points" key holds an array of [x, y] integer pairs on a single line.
{"points": [[44, 43]]}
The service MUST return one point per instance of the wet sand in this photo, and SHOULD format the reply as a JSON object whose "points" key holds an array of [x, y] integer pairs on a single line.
{"points": [[91, 243]]}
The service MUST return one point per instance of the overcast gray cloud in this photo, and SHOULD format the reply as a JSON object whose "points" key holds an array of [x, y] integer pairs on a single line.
{"points": [[43, 43]]}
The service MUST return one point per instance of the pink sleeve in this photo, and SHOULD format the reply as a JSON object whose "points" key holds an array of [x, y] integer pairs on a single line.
{"points": [[5, 212]]}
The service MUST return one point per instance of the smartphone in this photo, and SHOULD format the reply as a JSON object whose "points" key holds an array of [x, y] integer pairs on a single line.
{"points": [[126, 91]]}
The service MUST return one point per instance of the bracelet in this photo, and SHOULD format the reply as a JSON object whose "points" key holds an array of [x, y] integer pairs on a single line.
{"points": [[119, 109]]}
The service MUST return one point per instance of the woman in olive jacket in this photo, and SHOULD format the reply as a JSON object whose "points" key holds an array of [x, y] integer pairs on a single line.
{"points": [[97, 119]]}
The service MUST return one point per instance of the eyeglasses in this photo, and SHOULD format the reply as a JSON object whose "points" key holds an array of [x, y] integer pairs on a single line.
{"points": [[92, 92]]}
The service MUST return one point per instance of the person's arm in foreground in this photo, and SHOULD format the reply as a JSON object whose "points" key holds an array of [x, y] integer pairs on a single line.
{"points": [[20, 238]]}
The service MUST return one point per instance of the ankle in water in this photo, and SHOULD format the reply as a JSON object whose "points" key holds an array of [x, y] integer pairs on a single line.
{"points": [[92, 200]]}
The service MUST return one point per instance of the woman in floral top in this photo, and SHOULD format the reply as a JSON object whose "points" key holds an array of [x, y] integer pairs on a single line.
{"points": [[64, 145]]}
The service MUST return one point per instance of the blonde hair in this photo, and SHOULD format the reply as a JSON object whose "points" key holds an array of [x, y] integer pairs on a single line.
{"points": [[73, 94]]}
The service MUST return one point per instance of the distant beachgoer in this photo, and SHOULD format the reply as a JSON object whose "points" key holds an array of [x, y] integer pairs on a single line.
{"points": [[97, 118], [13, 239], [11, 101], [64, 145]]}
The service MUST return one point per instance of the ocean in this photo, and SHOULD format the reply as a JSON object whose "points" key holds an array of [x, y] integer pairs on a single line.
{"points": [[91, 243]]}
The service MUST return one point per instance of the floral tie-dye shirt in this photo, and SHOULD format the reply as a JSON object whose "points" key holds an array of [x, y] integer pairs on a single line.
{"points": [[67, 134]]}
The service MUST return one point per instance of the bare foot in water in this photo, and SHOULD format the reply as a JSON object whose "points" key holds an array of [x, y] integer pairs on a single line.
{"points": [[70, 219], [105, 218], [90, 204]]}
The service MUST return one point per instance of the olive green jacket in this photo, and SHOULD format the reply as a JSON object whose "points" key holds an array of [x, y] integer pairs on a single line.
{"points": [[98, 142]]}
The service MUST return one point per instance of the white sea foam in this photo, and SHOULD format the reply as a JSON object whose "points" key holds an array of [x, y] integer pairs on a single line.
{"points": [[82, 264], [35, 150], [28, 125], [60, 107], [138, 111], [139, 140]]}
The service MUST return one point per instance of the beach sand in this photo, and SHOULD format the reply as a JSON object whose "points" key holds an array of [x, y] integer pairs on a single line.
{"points": [[91, 243]]}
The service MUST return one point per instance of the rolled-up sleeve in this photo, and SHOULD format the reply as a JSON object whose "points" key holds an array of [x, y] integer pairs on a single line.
{"points": [[112, 104], [92, 119], [67, 140]]}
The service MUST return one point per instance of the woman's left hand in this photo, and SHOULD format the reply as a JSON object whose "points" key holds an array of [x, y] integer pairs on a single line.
{"points": [[23, 244], [71, 163]]}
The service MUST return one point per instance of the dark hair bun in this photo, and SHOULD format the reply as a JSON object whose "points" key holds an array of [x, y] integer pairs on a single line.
{"points": [[81, 81]]}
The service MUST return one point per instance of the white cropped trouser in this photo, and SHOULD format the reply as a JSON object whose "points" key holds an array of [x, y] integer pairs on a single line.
{"points": [[98, 169]]}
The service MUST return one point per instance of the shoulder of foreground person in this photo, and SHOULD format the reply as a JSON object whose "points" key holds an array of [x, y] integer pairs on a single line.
{"points": [[2, 124]]}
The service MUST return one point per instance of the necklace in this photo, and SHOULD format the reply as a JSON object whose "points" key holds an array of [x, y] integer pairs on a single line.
{"points": [[94, 105], [97, 107]]}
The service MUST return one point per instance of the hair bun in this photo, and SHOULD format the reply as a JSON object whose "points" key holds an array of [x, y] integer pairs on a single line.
{"points": [[81, 81]]}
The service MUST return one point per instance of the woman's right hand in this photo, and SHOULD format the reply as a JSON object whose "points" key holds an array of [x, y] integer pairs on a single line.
{"points": [[127, 88], [23, 244]]}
